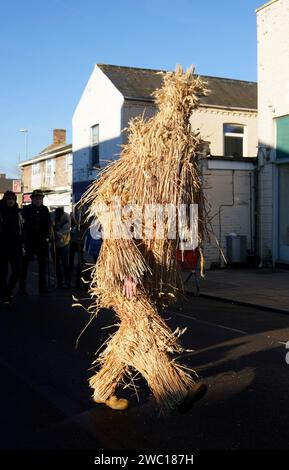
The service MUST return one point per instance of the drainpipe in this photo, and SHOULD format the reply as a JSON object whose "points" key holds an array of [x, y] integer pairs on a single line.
{"points": [[251, 222], [220, 212], [260, 265], [256, 218]]}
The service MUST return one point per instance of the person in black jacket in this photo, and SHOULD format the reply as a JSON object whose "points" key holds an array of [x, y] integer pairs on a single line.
{"points": [[36, 233], [10, 245]]}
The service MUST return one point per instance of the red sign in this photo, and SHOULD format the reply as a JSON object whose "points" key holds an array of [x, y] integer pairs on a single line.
{"points": [[16, 186], [26, 198]]}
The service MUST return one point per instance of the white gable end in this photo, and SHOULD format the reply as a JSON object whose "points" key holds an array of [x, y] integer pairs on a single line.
{"points": [[100, 104]]}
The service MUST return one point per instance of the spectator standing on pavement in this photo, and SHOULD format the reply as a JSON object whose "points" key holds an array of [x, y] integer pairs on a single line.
{"points": [[79, 226], [61, 227], [11, 224], [36, 233], [75, 238]]}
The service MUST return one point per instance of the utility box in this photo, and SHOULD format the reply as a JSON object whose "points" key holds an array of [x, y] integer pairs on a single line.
{"points": [[236, 249]]}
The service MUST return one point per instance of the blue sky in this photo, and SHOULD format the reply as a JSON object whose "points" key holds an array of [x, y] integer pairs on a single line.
{"points": [[48, 50]]}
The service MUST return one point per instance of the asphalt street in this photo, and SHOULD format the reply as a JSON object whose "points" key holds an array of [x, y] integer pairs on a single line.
{"points": [[238, 351]]}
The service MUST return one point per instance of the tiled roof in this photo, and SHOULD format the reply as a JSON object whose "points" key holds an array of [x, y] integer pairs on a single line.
{"points": [[139, 84], [52, 148]]}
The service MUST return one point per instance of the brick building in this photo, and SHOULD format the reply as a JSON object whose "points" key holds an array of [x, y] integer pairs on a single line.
{"points": [[10, 184], [50, 171]]}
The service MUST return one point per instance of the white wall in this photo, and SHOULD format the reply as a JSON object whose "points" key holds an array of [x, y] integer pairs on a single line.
{"points": [[36, 181], [273, 67], [58, 199], [273, 102], [100, 103], [228, 201]]}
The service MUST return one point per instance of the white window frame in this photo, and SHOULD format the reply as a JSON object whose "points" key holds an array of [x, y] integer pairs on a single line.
{"points": [[49, 172], [35, 168], [94, 144], [242, 136]]}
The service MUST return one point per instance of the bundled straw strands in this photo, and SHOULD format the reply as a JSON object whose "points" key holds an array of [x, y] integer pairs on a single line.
{"points": [[158, 165]]}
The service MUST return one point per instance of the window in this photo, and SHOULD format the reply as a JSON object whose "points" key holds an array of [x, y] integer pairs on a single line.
{"points": [[35, 169], [49, 172], [233, 140], [94, 145]]}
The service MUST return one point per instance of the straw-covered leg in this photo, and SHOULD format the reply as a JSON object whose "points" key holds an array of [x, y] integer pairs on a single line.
{"points": [[106, 381], [145, 343]]}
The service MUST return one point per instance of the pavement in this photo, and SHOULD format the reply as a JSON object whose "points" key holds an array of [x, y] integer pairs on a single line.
{"points": [[262, 288]]}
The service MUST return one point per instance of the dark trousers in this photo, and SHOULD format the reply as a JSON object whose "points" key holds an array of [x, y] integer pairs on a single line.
{"points": [[14, 259], [62, 265], [75, 248], [41, 252]]}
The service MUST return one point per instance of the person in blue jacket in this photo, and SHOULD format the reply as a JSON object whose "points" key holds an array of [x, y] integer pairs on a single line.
{"points": [[93, 241]]}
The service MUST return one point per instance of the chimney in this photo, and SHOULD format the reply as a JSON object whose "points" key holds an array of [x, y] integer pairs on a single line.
{"points": [[59, 137]]}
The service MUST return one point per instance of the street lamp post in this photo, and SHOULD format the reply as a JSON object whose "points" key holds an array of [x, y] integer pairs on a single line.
{"points": [[26, 141]]}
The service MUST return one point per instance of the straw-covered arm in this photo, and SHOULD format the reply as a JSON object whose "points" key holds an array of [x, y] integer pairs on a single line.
{"points": [[121, 259], [121, 263]]}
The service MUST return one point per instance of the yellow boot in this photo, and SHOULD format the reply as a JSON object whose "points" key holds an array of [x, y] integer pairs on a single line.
{"points": [[113, 402]]}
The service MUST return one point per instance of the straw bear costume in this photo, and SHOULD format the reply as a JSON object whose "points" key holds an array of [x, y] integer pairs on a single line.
{"points": [[158, 165]]}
